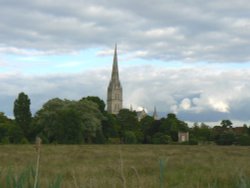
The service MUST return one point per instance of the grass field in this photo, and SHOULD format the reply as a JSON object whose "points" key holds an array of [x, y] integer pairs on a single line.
{"points": [[131, 165]]}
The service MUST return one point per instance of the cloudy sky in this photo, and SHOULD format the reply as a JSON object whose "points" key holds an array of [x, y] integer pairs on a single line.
{"points": [[188, 57]]}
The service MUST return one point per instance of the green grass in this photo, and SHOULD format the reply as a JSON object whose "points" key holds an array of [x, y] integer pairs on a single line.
{"points": [[94, 166]]}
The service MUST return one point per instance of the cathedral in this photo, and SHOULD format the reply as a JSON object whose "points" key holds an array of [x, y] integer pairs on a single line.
{"points": [[114, 95]]}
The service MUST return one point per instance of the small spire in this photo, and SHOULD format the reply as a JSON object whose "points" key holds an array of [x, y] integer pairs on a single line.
{"points": [[155, 116], [131, 108]]}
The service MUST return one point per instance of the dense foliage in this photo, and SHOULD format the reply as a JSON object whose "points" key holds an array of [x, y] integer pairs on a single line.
{"points": [[22, 113], [86, 121], [68, 122]]}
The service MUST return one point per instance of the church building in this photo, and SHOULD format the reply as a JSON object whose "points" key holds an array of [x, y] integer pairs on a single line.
{"points": [[114, 94]]}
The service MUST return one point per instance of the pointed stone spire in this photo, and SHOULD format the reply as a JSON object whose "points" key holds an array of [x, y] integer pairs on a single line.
{"points": [[131, 108], [155, 116], [114, 101], [115, 73]]}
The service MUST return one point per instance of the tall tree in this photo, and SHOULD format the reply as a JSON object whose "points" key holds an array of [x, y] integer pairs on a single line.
{"points": [[22, 113], [128, 122], [147, 127], [68, 122], [5, 125], [110, 126], [226, 123]]}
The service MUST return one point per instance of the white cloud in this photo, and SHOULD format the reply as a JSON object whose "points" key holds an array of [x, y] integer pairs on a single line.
{"points": [[194, 94], [185, 104], [218, 105]]}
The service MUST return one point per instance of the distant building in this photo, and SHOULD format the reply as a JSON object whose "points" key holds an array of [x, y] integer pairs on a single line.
{"points": [[114, 93], [141, 113], [183, 136], [240, 130]]}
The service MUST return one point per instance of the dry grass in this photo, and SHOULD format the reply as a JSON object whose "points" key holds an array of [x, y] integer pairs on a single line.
{"points": [[132, 165]]}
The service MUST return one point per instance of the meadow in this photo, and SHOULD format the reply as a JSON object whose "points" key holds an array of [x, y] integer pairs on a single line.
{"points": [[142, 166]]}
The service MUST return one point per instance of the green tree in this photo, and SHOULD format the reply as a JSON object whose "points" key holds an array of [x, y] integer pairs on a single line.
{"points": [[9, 131], [226, 123], [15, 134], [68, 122], [99, 138], [243, 140], [127, 119], [128, 122], [172, 125], [129, 137], [5, 125], [22, 113], [216, 132], [161, 138], [110, 126], [202, 133], [226, 138], [69, 125], [245, 129], [97, 100], [3, 118], [149, 128]]}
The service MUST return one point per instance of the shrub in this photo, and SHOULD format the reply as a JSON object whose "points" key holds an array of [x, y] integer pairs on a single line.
{"points": [[24, 141], [193, 142], [243, 140], [129, 137], [160, 138], [99, 139], [5, 140], [226, 138]]}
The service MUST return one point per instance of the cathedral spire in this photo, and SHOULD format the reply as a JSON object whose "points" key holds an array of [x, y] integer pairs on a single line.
{"points": [[114, 101], [115, 73]]}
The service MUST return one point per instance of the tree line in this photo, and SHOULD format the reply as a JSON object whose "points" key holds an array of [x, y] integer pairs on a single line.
{"points": [[86, 121]]}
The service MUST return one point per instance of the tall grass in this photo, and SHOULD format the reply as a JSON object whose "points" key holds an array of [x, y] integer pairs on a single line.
{"points": [[136, 166], [28, 178], [23, 180], [38, 150], [162, 173]]}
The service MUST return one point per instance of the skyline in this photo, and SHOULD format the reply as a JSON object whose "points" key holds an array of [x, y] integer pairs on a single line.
{"points": [[189, 58]]}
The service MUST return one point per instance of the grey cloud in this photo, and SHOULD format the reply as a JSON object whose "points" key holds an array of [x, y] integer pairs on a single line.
{"points": [[211, 31], [42, 88]]}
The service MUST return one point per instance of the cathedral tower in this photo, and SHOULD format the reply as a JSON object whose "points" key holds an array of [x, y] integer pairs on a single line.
{"points": [[114, 96]]}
